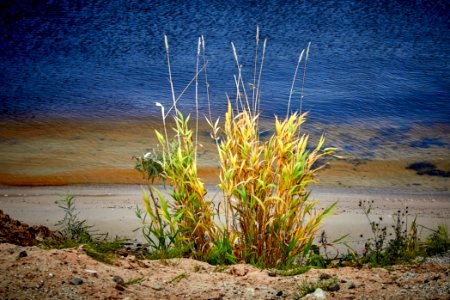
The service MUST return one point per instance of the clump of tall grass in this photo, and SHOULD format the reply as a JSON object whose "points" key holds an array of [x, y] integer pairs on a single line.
{"points": [[264, 183], [266, 216]]}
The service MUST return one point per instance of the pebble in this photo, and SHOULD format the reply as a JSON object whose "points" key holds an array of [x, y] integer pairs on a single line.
{"points": [[157, 287], [351, 285], [76, 281], [334, 287], [315, 296], [92, 272], [23, 254], [410, 274], [119, 280], [319, 294]]}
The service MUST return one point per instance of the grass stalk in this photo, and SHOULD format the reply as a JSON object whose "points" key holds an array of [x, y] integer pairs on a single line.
{"points": [[300, 57], [258, 86], [302, 94], [240, 83], [254, 86], [174, 102], [196, 98]]}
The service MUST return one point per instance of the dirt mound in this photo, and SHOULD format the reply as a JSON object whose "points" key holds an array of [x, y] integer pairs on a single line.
{"points": [[18, 233], [34, 273]]}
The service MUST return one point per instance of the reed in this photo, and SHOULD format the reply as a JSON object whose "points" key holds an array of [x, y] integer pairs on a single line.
{"points": [[266, 216]]}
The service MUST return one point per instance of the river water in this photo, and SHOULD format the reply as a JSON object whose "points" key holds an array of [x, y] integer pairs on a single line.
{"points": [[371, 61]]}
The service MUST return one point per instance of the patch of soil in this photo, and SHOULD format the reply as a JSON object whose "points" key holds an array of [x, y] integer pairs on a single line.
{"points": [[35, 273], [18, 233]]}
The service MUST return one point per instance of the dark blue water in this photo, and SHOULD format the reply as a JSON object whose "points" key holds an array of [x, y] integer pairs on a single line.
{"points": [[378, 61]]}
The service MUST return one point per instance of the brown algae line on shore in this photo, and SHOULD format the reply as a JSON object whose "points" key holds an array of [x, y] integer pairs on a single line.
{"points": [[345, 174]]}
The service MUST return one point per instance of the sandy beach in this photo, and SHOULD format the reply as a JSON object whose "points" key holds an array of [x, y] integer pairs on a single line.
{"points": [[110, 208]]}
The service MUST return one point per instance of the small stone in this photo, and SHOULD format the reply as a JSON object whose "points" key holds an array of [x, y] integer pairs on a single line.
{"points": [[92, 272], [119, 287], [324, 276], [23, 254], [410, 274], [76, 281], [40, 284], [272, 273], [351, 285], [334, 287], [119, 280], [238, 271], [157, 287], [319, 294], [436, 277], [51, 275]]}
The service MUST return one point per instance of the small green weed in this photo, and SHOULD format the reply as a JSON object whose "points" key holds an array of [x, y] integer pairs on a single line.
{"points": [[70, 227], [149, 165], [222, 253], [74, 232], [220, 269], [179, 277], [438, 242], [307, 287], [290, 272], [132, 281], [403, 244]]}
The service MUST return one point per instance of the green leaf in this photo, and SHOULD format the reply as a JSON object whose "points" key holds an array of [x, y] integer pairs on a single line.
{"points": [[340, 239], [164, 207], [160, 138], [307, 248]]}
